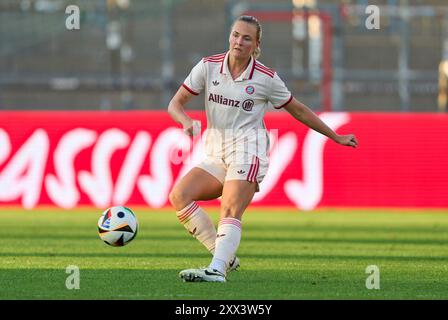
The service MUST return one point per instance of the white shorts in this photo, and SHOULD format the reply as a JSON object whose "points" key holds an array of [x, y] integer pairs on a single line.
{"points": [[253, 171]]}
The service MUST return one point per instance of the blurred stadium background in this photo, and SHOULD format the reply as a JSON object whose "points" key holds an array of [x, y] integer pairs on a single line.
{"points": [[133, 54], [388, 86]]}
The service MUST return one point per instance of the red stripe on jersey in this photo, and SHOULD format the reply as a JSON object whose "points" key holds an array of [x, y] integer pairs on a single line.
{"points": [[265, 68], [264, 71], [253, 68], [253, 171], [220, 55], [271, 74], [214, 59], [189, 90], [211, 59], [289, 100], [217, 58], [253, 178]]}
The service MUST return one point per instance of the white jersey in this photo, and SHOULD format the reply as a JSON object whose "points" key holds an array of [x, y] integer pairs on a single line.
{"points": [[235, 108]]}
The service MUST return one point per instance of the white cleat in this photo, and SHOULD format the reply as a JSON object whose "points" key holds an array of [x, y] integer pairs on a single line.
{"points": [[202, 275], [234, 264]]}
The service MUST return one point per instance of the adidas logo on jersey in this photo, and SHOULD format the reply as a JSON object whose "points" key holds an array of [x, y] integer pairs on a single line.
{"points": [[240, 172], [215, 83]]}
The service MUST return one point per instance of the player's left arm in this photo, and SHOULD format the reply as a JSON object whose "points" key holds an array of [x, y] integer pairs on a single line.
{"points": [[305, 115]]}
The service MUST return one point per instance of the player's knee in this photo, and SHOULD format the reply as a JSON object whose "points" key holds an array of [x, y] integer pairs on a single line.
{"points": [[179, 198]]}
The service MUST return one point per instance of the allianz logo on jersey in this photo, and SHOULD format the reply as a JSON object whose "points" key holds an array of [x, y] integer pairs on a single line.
{"points": [[247, 104]]}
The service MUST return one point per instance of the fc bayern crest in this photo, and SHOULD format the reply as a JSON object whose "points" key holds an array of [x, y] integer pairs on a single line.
{"points": [[250, 89]]}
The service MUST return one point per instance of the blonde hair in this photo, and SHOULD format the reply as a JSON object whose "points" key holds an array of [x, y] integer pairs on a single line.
{"points": [[253, 21]]}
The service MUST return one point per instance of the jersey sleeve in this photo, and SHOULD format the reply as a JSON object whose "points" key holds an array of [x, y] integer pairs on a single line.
{"points": [[279, 93], [195, 82]]}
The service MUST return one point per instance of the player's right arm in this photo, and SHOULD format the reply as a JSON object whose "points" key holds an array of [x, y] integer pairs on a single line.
{"points": [[176, 109], [192, 86]]}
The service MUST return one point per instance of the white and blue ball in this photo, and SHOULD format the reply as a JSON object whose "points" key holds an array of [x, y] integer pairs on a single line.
{"points": [[117, 226]]}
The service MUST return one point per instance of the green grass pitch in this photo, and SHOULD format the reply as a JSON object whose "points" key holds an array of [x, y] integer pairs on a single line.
{"points": [[285, 254]]}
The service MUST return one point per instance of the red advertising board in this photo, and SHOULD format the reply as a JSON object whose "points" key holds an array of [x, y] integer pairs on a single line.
{"points": [[95, 158]]}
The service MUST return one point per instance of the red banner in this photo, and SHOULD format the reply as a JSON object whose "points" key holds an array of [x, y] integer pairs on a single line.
{"points": [[134, 158]]}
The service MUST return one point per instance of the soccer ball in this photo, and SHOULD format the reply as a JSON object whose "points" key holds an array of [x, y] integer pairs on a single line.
{"points": [[117, 226]]}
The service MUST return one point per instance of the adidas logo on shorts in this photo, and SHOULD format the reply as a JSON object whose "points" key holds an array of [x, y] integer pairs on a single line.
{"points": [[241, 172]]}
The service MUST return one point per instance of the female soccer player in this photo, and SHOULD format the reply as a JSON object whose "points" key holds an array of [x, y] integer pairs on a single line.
{"points": [[238, 90]]}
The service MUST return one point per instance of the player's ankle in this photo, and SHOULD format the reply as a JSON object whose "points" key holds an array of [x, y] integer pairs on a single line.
{"points": [[218, 264]]}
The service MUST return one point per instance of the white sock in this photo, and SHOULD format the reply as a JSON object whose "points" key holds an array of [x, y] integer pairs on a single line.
{"points": [[227, 243], [198, 224]]}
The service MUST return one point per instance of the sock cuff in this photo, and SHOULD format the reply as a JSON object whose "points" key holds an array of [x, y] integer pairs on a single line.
{"points": [[186, 212], [230, 221]]}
